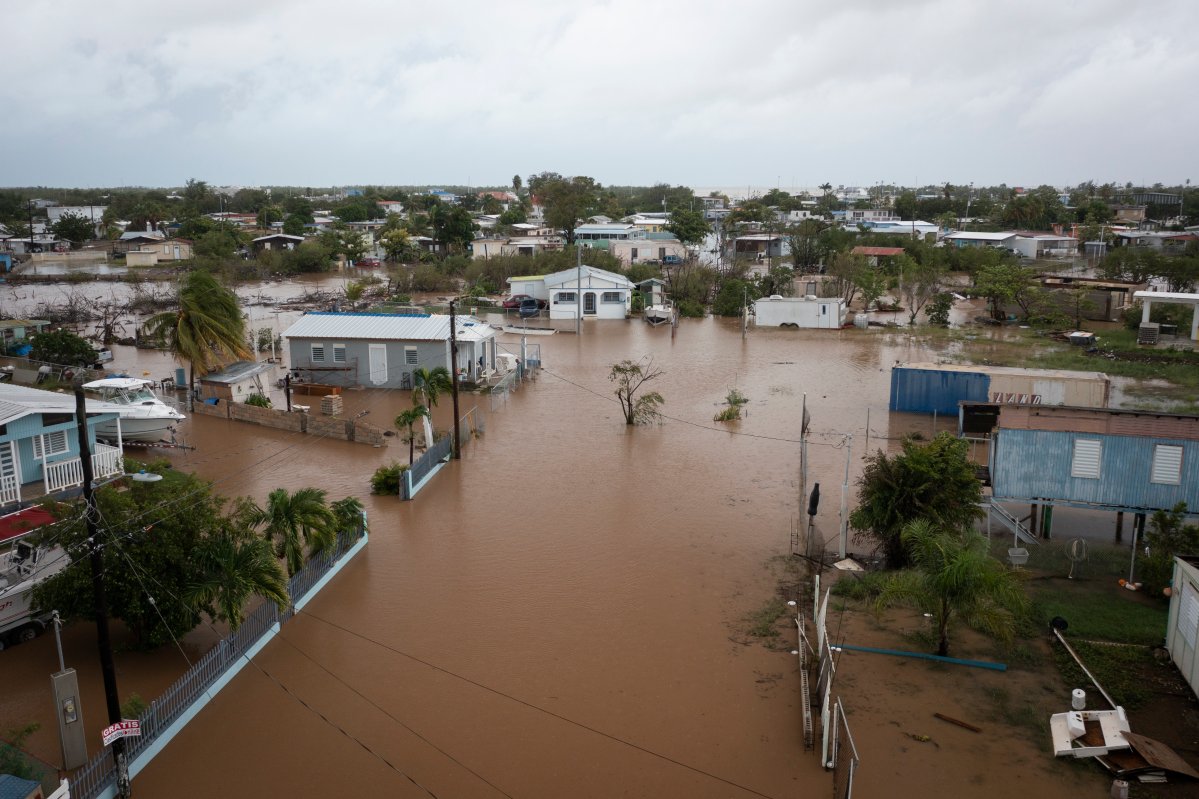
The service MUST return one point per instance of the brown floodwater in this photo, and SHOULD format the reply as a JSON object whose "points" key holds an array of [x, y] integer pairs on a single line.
{"points": [[562, 613]]}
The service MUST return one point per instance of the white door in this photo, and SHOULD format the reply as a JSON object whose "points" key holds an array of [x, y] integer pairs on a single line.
{"points": [[9, 484], [378, 363]]}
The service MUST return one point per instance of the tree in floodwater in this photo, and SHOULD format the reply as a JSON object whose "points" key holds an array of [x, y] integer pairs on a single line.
{"points": [[295, 519], [954, 577], [932, 480], [408, 419], [630, 378], [206, 330]]}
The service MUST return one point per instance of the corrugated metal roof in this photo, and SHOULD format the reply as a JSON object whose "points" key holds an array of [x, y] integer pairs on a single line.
{"points": [[568, 276], [386, 327], [19, 401], [236, 372], [980, 236]]}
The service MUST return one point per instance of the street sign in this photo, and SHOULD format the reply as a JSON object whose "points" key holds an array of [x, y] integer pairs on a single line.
{"points": [[122, 729]]}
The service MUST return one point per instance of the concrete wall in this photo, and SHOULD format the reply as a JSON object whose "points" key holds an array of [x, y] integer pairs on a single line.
{"points": [[278, 419]]}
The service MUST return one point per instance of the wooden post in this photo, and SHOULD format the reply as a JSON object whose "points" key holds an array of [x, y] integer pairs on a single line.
{"points": [[1119, 526]]}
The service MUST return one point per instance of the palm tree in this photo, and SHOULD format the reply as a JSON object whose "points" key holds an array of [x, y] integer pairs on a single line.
{"points": [[407, 419], [955, 577], [233, 566], [292, 520], [429, 384], [207, 330]]}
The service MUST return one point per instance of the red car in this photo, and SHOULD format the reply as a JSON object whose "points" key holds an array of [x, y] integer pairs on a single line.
{"points": [[369, 262], [513, 302]]}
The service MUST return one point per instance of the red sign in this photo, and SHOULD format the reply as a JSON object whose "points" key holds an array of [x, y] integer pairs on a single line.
{"points": [[122, 729]]}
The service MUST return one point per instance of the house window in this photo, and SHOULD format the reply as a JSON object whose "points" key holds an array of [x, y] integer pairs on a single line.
{"points": [[1087, 455], [1167, 465], [611, 296], [565, 296], [55, 444], [318, 353], [410, 356], [339, 353]]}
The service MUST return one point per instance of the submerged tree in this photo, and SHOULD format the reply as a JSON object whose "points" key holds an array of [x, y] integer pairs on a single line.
{"points": [[232, 567], [630, 378], [954, 577], [294, 519], [408, 419]]}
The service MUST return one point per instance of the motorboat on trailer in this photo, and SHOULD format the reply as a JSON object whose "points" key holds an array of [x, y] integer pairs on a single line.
{"points": [[662, 311], [143, 415]]}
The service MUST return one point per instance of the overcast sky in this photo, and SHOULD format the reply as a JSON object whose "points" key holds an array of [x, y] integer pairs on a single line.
{"points": [[751, 93]]}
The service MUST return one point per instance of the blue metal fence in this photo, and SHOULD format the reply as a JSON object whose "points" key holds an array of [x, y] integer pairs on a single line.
{"points": [[92, 779]]}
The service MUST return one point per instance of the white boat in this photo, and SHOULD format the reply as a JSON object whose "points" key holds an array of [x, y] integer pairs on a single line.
{"points": [[529, 331], [144, 417], [21, 569], [659, 312]]}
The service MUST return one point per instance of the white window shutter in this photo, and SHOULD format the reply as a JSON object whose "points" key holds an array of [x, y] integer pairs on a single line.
{"points": [[1088, 453], [1167, 464]]}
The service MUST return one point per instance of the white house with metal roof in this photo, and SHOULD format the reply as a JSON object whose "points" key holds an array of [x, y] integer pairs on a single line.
{"points": [[605, 295], [39, 442], [383, 350]]}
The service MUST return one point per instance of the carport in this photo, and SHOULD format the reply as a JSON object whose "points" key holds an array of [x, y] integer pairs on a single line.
{"points": [[1147, 299]]}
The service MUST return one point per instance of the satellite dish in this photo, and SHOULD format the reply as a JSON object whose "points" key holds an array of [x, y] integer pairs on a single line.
{"points": [[1076, 551]]}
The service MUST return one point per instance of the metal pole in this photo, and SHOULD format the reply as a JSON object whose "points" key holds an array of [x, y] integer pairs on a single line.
{"points": [[845, 498], [803, 452], [99, 600], [579, 289], [455, 449], [867, 448], [62, 664]]}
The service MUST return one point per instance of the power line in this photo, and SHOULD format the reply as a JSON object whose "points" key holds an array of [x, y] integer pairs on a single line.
{"points": [[537, 708]]}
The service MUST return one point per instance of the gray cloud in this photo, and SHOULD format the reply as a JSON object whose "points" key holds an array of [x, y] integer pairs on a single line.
{"points": [[627, 91]]}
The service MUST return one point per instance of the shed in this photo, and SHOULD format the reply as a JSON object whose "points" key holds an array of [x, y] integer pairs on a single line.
{"points": [[235, 382], [277, 241], [938, 388], [383, 350], [1182, 625]]}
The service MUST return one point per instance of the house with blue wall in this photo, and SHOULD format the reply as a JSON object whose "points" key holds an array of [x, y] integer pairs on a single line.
{"points": [[39, 443], [1100, 458]]}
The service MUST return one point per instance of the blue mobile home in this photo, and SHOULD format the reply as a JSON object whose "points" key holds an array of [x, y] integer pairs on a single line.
{"points": [[1134, 461]]}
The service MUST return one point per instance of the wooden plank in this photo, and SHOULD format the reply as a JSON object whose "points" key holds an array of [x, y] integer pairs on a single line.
{"points": [[970, 727], [1158, 755]]}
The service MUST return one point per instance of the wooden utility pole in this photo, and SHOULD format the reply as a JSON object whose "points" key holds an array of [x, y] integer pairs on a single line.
{"points": [[454, 381]]}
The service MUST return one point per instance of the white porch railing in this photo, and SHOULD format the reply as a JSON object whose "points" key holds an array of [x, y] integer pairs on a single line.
{"points": [[63, 474], [106, 462], [10, 489]]}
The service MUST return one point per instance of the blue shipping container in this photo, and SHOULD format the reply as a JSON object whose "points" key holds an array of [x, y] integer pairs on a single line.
{"points": [[933, 390]]}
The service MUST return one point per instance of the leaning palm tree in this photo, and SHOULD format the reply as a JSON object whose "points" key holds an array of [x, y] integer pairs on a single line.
{"points": [[347, 514], [953, 577], [408, 419], [231, 567], [294, 519], [207, 330]]}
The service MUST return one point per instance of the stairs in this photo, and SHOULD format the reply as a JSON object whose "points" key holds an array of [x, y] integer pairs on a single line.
{"points": [[1013, 524]]}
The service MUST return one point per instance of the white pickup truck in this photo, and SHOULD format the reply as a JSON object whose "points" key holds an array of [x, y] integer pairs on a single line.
{"points": [[21, 569]]}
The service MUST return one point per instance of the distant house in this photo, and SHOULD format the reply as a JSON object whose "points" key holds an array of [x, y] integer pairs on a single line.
{"points": [[758, 246], [511, 245], [1102, 458], [39, 443], [604, 295], [276, 241], [648, 250], [875, 253], [964, 238], [610, 231], [93, 213], [151, 253], [383, 350], [853, 216], [390, 206]]}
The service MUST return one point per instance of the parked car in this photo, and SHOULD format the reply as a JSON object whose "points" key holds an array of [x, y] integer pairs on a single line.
{"points": [[672, 260], [529, 307], [514, 302], [369, 262]]}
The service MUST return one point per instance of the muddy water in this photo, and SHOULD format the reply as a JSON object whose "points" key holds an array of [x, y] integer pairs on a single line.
{"points": [[582, 587]]}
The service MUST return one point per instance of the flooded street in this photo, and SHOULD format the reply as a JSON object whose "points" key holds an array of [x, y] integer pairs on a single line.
{"points": [[562, 613]]}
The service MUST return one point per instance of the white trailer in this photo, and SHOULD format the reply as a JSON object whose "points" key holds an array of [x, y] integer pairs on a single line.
{"points": [[809, 311]]}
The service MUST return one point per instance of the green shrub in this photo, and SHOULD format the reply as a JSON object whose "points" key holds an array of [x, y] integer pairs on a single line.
{"points": [[386, 479], [258, 400], [691, 308]]}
